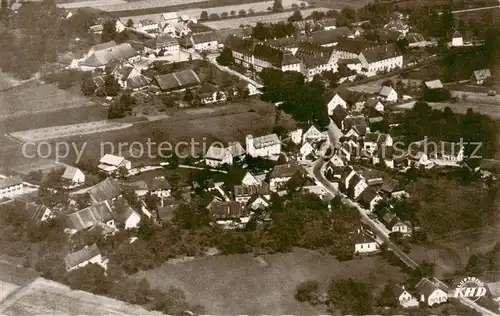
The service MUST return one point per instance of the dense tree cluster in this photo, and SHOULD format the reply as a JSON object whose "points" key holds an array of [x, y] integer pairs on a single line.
{"points": [[306, 102], [120, 107], [263, 31], [422, 121], [226, 57]]}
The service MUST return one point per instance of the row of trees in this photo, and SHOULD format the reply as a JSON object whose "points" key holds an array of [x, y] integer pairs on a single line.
{"points": [[306, 102], [263, 31]]}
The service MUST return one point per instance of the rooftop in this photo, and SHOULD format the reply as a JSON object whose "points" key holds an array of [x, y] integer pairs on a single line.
{"points": [[105, 190], [90, 216], [74, 259], [381, 53], [284, 171], [177, 80], [10, 181], [266, 141]]}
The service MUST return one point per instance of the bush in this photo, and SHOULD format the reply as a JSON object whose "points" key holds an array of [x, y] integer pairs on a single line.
{"points": [[436, 95], [307, 291]]}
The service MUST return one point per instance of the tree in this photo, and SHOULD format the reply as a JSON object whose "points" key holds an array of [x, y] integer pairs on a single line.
{"points": [[242, 12], [204, 15], [251, 12], [277, 6], [307, 291], [295, 17], [151, 201], [346, 17], [226, 57], [188, 95], [108, 31], [88, 87], [130, 23], [90, 278], [233, 13], [111, 86], [224, 14], [350, 296], [214, 16], [387, 297]]}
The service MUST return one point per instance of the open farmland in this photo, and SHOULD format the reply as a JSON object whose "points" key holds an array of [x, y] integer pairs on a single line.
{"points": [[340, 4], [139, 5], [50, 298], [232, 285], [90, 3], [252, 20], [34, 97], [489, 14]]}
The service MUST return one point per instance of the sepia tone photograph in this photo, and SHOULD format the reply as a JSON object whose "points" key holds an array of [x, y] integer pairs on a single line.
{"points": [[249, 157]]}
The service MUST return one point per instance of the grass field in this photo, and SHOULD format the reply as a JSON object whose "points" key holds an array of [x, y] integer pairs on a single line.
{"points": [[252, 20], [240, 284], [90, 3], [33, 97], [231, 122], [481, 15]]}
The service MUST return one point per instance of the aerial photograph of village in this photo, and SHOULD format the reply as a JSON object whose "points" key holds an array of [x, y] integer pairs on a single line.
{"points": [[250, 157]]}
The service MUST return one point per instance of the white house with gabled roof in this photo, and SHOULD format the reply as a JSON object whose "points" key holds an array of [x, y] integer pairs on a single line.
{"points": [[73, 176], [334, 102], [404, 297], [388, 94], [111, 163], [263, 146]]}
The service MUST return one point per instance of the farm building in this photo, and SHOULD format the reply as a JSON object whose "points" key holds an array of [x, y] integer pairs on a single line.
{"points": [[11, 187], [206, 41], [111, 163], [264, 146], [162, 42], [101, 57], [479, 77], [97, 214], [73, 175], [177, 81], [82, 257], [106, 190]]}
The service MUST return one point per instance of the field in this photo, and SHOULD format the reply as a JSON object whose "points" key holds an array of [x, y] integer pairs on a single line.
{"points": [[231, 122], [145, 4], [252, 20], [241, 284], [33, 97], [50, 298], [481, 15], [90, 3], [340, 4]]}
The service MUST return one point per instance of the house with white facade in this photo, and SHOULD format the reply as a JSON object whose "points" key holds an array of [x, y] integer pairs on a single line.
{"points": [[457, 40], [364, 244], [388, 94], [383, 58], [313, 135], [82, 257], [431, 292], [405, 299], [160, 187], [296, 136], [11, 187], [111, 163], [73, 176], [218, 156], [243, 193], [206, 41], [305, 150], [258, 202], [163, 43], [355, 185], [373, 141], [280, 175], [337, 100], [374, 104], [480, 76], [99, 214], [101, 55], [148, 26], [249, 180], [263, 146], [398, 26]]}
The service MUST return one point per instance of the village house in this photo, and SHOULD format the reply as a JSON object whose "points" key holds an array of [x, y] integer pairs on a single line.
{"points": [[355, 126], [243, 193], [280, 175], [101, 57], [404, 297], [11, 187], [355, 185], [338, 116], [244, 86], [347, 48], [263, 146], [398, 26], [125, 216], [416, 40], [331, 37], [86, 255], [249, 179], [209, 94], [369, 198], [457, 40], [445, 153], [111, 163], [258, 202], [374, 141], [106, 190], [170, 17], [314, 135], [431, 292], [148, 26], [388, 94], [217, 156], [206, 41], [140, 187], [315, 59], [374, 104], [161, 43], [296, 136], [160, 187], [328, 24], [392, 188], [73, 176], [229, 214], [97, 214], [177, 81], [364, 244], [379, 59], [337, 100], [481, 76], [305, 151], [35, 212], [434, 84]]}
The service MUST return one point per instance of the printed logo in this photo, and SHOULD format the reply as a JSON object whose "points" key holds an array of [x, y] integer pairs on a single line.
{"points": [[471, 288]]}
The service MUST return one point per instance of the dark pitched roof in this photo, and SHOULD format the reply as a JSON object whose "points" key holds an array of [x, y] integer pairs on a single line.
{"points": [[390, 185], [328, 22], [426, 287], [223, 35], [289, 59], [283, 171], [80, 256], [355, 179], [355, 46], [482, 74], [339, 114], [123, 210], [227, 210], [105, 190], [367, 196], [160, 41], [414, 38], [362, 238], [243, 190], [355, 121], [177, 80], [287, 41], [330, 36], [205, 37], [160, 183], [103, 56], [270, 54], [138, 82], [381, 53], [90, 216], [36, 211], [388, 36], [240, 45], [207, 90]]}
